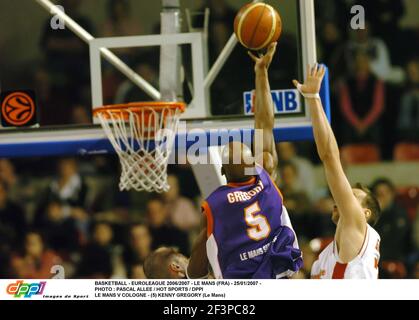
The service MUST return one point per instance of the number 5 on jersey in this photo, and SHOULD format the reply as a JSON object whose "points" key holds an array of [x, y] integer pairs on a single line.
{"points": [[259, 227]]}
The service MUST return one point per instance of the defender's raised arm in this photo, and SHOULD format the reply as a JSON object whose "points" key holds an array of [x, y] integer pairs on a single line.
{"points": [[352, 220]]}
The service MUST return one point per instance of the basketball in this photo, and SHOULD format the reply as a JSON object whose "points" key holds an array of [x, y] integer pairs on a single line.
{"points": [[257, 25]]}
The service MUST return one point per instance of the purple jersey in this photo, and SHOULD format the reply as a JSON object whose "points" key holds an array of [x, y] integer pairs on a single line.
{"points": [[249, 232]]}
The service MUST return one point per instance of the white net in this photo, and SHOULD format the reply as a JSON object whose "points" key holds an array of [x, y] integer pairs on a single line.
{"points": [[143, 138]]}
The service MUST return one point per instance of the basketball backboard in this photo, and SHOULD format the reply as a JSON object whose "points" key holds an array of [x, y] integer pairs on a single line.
{"points": [[218, 92]]}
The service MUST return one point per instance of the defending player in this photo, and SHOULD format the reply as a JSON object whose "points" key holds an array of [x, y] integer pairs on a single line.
{"points": [[247, 232], [354, 253], [165, 263]]}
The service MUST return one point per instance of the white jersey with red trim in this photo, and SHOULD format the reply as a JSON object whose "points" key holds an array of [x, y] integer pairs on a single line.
{"points": [[364, 266]]}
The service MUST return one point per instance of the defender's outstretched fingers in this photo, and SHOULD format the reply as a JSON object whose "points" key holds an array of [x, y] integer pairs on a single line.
{"points": [[316, 69], [298, 85], [313, 70]]}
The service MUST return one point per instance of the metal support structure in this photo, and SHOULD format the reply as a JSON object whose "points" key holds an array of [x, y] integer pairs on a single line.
{"points": [[308, 34], [108, 55], [195, 109], [170, 55], [203, 30], [221, 60], [205, 52]]}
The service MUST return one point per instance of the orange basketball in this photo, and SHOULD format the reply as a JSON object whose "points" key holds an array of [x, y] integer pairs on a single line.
{"points": [[257, 25]]}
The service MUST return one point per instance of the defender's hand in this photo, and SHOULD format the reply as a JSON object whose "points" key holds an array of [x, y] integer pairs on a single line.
{"points": [[264, 60], [313, 81]]}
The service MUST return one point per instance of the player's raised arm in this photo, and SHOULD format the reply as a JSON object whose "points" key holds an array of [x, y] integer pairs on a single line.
{"points": [[351, 215], [264, 110]]}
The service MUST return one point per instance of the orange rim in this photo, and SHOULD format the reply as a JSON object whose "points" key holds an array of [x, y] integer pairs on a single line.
{"points": [[140, 106]]}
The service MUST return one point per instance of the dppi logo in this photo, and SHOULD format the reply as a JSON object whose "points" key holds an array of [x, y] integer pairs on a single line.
{"points": [[27, 290], [285, 101]]}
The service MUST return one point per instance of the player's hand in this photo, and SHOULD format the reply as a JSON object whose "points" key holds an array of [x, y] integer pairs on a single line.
{"points": [[313, 81], [264, 60]]}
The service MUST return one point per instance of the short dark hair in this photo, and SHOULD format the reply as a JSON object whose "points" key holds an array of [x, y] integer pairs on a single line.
{"points": [[156, 265], [371, 203]]}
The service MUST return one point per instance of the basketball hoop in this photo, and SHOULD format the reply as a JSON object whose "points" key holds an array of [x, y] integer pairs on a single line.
{"points": [[142, 134]]}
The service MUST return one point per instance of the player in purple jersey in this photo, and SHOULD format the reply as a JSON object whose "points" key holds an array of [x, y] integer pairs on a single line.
{"points": [[247, 232]]}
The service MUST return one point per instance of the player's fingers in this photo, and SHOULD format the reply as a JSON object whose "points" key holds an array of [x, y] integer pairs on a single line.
{"points": [[254, 58], [314, 70], [308, 71], [296, 83], [272, 48], [311, 72]]}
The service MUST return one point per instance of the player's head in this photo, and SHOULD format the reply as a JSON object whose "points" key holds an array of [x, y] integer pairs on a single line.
{"points": [[236, 158], [165, 263], [368, 203]]}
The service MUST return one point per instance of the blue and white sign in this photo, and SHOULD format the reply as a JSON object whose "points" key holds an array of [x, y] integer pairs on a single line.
{"points": [[285, 101]]}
